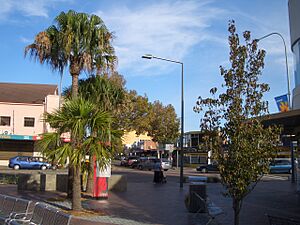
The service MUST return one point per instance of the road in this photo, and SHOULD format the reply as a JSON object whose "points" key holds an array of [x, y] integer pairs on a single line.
{"points": [[192, 172]]}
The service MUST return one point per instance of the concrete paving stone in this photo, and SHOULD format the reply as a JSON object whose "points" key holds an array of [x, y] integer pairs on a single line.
{"points": [[163, 204]]}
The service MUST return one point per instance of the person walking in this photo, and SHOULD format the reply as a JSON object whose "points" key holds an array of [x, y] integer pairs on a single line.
{"points": [[157, 171]]}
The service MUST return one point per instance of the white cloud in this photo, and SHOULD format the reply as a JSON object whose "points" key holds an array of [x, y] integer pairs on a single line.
{"points": [[34, 8], [39, 8], [166, 29], [26, 40]]}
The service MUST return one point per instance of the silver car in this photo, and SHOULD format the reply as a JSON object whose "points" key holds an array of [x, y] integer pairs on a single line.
{"points": [[147, 163]]}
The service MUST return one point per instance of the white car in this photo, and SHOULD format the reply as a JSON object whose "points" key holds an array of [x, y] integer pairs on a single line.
{"points": [[165, 164]]}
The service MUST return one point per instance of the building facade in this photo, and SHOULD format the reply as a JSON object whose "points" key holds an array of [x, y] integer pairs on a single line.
{"points": [[195, 151], [294, 18], [131, 139], [21, 109]]}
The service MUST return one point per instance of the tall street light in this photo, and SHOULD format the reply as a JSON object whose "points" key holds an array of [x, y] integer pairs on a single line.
{"points": [[286, 63], [289, 96], [149, 56]]}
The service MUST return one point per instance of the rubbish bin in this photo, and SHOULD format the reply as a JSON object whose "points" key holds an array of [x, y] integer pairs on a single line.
{"points": [[197, 197], [101, 181]]}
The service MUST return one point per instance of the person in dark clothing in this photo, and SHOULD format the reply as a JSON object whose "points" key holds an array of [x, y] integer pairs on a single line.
{"points": [[157, 172]]}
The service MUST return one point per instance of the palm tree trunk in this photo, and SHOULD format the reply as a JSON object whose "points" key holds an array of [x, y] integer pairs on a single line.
{"points": [[75, 85], [90, 179], [71, 169], [70, 182], [76, 199]]}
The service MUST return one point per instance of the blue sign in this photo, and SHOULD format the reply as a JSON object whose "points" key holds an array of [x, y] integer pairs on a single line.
{"points": [[17, 137], [282, 103]]}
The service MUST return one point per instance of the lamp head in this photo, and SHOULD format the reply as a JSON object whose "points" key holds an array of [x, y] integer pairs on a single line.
{"points": [[147, 56]]}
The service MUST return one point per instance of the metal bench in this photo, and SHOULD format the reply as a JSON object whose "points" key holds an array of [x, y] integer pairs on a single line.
{"points": [[20, 211], [42, 215], [49, 216], [7, 207], [2, 197], [35, 217], [54, 216], [276, 220], [20, 206], [212, 210], [62, 218]]}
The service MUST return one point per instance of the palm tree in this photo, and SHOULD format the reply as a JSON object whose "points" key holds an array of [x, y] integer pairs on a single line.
{"points": [[77, 116], [101, 90], [77, 40], [108, 96]]}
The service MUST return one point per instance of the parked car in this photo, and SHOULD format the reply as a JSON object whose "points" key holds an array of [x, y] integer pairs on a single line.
{"points": [[281, 166], [146, 163], [165, 164], [208, 168], [131, 161], [123, 161], [134, 163], [29, 162]]}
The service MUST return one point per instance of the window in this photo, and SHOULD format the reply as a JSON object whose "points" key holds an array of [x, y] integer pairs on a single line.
{"points": [[28, 122], [4, 120]]}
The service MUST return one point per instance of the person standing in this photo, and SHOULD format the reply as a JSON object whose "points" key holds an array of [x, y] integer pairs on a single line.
{"points": [[157, 171]]}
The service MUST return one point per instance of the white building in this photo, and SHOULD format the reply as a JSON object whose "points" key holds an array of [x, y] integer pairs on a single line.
{"points": [[21, 110]]}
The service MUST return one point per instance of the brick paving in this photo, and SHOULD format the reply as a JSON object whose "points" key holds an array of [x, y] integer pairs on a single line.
{"points": [[145, 203], [272, 197]]}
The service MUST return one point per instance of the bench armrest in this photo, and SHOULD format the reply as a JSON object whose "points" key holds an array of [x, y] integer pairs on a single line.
{"points": [[17, 221], [14, 215]]}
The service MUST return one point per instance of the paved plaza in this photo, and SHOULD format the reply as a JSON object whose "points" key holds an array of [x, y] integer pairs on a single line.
{"points": [[145, 203]]}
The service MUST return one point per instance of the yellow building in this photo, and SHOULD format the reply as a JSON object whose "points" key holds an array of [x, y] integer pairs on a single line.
{"points": [[143, 141]]}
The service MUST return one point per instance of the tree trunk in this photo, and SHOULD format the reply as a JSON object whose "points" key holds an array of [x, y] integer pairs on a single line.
{"points": [[236, 207], [74, 95], [90, 179], [70, 182], [76, 200], [75, 85]]}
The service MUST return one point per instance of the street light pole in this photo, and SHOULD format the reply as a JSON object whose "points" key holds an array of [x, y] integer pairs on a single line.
{"points": [[149, 56], [286, 63], [182, 130]]}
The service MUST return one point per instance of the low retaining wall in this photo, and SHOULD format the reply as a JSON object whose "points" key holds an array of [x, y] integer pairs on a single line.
{"points": [[117, 183], [37, 182], [59, 182]]}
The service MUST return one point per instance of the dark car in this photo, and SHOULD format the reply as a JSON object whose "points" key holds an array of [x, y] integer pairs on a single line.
{"points": [[208, 168], [281, 166], [146, 163], [130, 161], [123, 161], [28, 162]]}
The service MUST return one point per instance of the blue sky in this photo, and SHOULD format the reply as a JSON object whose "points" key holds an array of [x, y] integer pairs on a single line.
{"points": [[194, 32]]}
